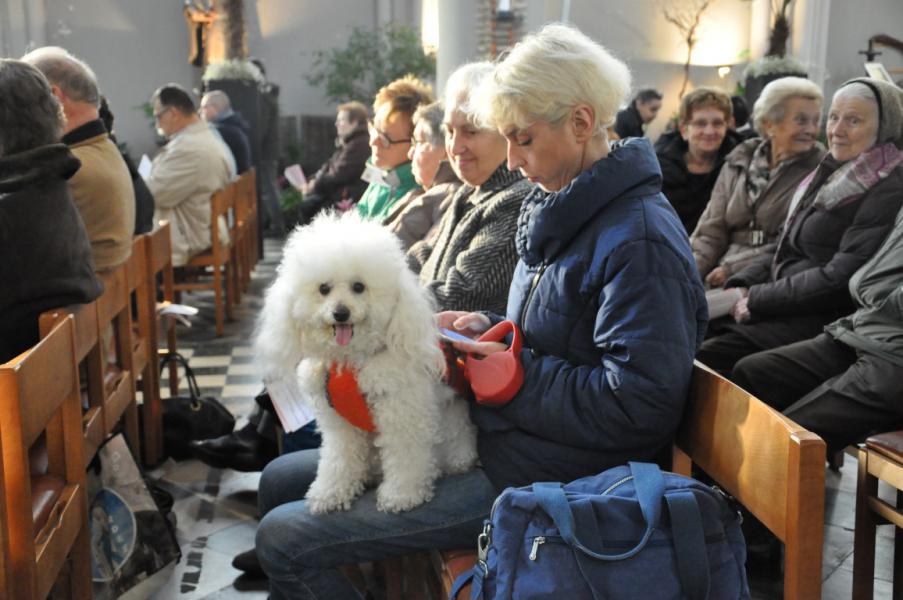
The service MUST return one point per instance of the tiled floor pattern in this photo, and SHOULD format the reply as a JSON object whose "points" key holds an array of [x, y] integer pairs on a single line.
{"points": [[216, 509]]}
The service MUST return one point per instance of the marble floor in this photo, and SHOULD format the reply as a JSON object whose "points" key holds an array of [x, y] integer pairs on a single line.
{"points": [[216, 509]]}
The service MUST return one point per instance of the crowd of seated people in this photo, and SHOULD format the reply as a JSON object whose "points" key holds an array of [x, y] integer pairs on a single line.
{"points": [[512, 201]]}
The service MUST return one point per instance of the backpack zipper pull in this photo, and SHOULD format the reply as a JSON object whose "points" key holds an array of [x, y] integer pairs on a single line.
{"points": [[536, 543]]}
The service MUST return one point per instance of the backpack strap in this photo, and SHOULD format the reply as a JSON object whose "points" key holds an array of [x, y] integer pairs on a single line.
{"points": [[689, 544], [650, 487], [474, 575]]}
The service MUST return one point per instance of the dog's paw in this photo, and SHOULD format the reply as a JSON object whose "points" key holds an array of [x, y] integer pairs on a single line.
{"points": [[391, 500], [320, 501]]}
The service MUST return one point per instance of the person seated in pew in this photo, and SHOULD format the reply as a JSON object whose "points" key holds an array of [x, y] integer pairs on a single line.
{"points": [[847, 382], [340, 177], [468, 263], [389, 169], [612, 327], [187, 171], [216, 109], [642, 110], [417, 215], [837, 219], [750, 199], [692, 155], [102, 188], [144, 200], [46, 252]]}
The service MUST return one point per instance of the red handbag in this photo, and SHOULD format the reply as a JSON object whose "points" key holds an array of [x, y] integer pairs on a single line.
{"points": [[496, 378]]}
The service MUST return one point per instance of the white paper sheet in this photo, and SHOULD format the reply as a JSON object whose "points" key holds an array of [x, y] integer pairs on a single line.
{"points": [[144, 167], [295, 176], [293, 412], [722, 301]]}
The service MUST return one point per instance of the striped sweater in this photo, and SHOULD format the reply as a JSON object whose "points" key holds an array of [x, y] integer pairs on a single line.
{"points": [[468, 265]]}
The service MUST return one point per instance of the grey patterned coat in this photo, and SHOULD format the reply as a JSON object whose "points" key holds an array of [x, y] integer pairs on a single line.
{"points": [[468, 265]]}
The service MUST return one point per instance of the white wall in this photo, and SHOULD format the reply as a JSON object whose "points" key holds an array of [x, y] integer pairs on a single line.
{"points": [[136, 45]]}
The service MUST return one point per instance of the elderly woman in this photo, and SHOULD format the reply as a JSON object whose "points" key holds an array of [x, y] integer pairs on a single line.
{"points": [[418, 213], [46, 254], [750, 199], [844, 383], [838, 217], [469, 262], [611, 264], [691, 156]]}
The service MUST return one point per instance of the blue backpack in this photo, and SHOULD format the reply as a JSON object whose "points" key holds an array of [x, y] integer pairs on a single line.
{"points": [[607, 536]]}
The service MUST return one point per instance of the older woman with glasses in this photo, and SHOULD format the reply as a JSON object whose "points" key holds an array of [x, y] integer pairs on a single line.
{"points": [[469, 263], [391, 131], [691, 156], [417, 214], [838, 217], [752, 193], [46, 253]]}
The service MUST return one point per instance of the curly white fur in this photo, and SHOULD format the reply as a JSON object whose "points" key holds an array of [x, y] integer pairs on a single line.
{"points": [[340, 264]]}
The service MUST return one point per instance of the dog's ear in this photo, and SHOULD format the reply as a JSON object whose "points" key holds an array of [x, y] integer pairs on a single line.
{"points": [[279, 339], [412, 331]]}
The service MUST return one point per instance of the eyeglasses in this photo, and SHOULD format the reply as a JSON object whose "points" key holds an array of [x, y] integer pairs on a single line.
{"points": [[157, 115], [384, 140], [703, 123]]}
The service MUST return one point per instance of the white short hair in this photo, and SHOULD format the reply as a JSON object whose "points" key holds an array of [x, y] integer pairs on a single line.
{"points": [[772, 103], [548, 74], [70, 74], [461, 84], [219, 99], [858, 90]]}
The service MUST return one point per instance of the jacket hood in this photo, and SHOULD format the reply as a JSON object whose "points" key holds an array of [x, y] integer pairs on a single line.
{"points": [[25, 169], [548, 221], [890, 109]]}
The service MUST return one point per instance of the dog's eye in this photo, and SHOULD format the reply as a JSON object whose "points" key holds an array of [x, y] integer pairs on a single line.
{"points": [[357, 287], [325, 288]]}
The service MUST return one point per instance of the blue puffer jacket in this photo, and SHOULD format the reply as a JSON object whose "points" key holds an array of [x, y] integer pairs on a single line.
{"points": [[612, 309]]}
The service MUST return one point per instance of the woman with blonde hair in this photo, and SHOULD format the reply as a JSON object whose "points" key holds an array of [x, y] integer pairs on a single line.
{"points": [[753, 190]]}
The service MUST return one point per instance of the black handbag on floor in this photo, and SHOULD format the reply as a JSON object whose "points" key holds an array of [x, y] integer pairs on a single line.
{"points": [[191, 417]]}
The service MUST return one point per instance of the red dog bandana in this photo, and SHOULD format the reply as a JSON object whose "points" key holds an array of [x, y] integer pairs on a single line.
{"points": [[346, 398]]}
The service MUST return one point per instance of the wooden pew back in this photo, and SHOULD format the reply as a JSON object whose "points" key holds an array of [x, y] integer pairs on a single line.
{"points": [[771, 465], [39, 394]]}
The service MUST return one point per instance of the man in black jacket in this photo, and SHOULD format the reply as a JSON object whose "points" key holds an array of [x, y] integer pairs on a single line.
{"points": [[216, 109]]}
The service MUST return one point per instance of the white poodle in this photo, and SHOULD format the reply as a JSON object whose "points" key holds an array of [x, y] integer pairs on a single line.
{"points": [[344, 298]]}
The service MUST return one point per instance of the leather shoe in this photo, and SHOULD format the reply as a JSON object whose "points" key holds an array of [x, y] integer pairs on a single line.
{"points": [[248, 562], [243, 450]]}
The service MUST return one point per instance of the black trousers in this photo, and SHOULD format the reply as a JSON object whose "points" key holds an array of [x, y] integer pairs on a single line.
{"points": [[827, 387]]}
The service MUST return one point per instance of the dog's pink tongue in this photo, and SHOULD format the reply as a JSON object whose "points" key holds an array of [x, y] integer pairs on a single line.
{"points": [[343, 334]]}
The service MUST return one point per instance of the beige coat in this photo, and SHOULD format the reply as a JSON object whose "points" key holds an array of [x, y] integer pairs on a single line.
{"points": [[721, 237], [103, 193], [184, 175]]}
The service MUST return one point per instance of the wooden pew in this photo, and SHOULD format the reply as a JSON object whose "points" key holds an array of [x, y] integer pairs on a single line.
{"points": [[217, 258], [114, 313], [768, 463], [89, 352], [159, 267], [39, 395]]}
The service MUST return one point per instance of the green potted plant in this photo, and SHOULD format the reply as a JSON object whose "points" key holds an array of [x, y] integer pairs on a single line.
{"points": [[776, 63]]}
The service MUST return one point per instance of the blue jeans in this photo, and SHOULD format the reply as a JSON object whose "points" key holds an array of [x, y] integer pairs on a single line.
{"points": [[300, 552]]}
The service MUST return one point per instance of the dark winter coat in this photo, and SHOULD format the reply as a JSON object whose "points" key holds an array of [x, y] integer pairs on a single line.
{"points": [[612, 310], [688, 193], [340, 176], [46, 253], [235, 131], [804, 285], [628, 123]]}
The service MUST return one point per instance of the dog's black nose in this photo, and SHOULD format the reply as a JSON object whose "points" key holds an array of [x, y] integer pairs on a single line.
{"points": [[341, 313]]}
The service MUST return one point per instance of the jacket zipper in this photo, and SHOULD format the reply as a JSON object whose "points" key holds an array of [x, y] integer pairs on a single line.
{"points": [[533, 284]]}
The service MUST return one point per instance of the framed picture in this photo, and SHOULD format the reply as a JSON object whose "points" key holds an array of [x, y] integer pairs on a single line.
{"points": [[876, 70]]}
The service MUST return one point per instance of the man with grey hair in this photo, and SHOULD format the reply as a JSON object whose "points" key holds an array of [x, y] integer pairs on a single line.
{"points": [[102, 188], [216, 109]]}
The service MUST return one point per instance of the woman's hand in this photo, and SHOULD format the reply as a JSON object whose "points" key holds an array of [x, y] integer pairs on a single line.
{"points": [[717, 277], [740, 311], [480, 348], [471, 324]]}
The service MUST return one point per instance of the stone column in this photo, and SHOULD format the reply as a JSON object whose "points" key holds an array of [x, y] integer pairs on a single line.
{"points": [[457, 38]]}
